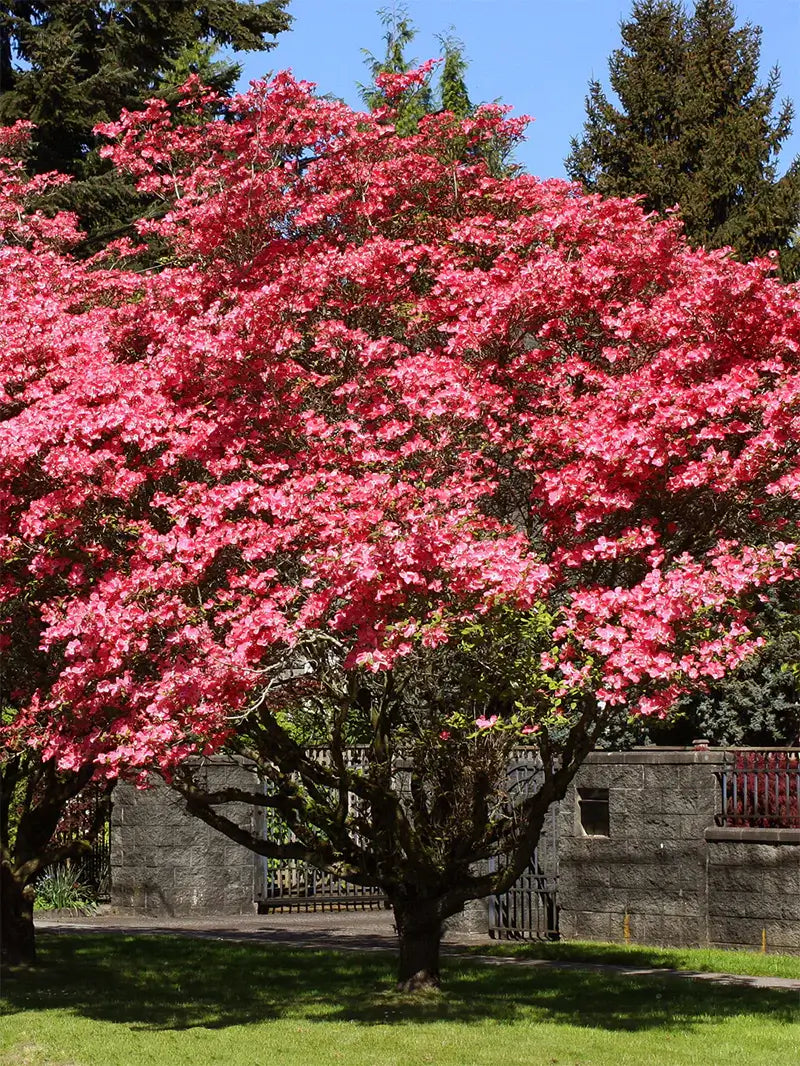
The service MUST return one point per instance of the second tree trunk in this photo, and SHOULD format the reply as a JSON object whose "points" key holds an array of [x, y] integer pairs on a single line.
{"points": [[17, 940]]}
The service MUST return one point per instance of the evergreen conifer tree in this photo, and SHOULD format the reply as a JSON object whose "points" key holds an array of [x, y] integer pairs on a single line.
{"points": [[400, 33], [451, 93], [452, 86], [694, 127]]}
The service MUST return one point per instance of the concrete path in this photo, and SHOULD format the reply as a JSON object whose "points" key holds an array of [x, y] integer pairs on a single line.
{"points": [[359, 931]]}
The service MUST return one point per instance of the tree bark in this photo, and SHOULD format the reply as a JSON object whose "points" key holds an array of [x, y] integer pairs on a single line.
{"points": [[419, 932], [17, 938]]}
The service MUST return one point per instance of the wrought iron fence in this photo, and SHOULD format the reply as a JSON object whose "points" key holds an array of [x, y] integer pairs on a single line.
{"points": [[81, 815], [760, 789]]}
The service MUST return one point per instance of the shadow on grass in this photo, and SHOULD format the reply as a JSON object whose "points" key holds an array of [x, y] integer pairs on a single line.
{"points": [[175, 983]]}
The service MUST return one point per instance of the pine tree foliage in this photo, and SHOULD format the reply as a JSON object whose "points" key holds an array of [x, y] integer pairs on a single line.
{"points": [[452, 86], [400, 33], [449, 92], [201, 58], [694, 127], [68, 64]]}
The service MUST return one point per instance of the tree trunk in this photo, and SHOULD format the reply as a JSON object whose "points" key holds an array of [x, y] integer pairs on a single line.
{"points": [[17, 939], [420, 934]]}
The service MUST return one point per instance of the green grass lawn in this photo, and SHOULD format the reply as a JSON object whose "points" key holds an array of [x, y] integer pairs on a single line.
{"points": [[99, 1000], [703, 960]]}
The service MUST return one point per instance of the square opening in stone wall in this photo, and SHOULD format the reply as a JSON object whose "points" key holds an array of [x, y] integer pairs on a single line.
{"points": [[593, 811]]}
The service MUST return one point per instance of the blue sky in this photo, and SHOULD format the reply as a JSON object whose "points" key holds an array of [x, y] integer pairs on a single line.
{"points": [[533, 54]]}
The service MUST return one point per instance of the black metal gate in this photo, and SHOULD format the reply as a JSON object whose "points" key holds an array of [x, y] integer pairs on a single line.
{"points": [[529, 909], [88, 815], [295, 885]]}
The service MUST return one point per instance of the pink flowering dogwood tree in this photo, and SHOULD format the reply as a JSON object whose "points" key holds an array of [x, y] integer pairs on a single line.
{"points": [[53, 314], [396, 453]]}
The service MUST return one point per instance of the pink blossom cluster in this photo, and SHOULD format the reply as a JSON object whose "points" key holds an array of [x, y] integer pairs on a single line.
{"points": [[376, 394]]}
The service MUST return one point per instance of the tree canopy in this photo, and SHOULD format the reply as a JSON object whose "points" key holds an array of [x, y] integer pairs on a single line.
{"points": [[67, 65]]}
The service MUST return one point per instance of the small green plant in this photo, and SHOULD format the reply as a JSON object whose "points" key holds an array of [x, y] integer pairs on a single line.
{"points": [[60, 889]]}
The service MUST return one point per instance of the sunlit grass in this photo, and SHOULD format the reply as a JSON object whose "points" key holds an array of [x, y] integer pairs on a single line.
{"points": [[99, 1000], [698, 960]]}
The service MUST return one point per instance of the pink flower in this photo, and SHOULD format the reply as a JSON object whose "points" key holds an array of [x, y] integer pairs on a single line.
{"points": [[485, 723], [445, 734]]}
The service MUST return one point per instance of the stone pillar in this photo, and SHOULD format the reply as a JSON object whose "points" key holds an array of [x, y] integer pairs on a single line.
{"points": [[166, 862], [642, 876]]}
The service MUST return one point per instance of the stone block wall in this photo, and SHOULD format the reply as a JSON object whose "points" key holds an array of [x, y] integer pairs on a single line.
{"points": [[645, 881], [665, 873], [754, 888], [165, 862]]}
